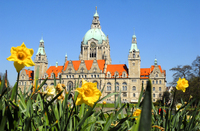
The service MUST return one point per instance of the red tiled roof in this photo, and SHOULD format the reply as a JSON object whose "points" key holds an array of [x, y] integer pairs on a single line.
{"points": [[88, 64], [120, 68], [101, 64], [145, 72], [66, 63], [29, 73], [55, 70], [76, 64]]}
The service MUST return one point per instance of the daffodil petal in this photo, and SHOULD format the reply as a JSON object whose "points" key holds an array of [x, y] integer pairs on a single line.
{"points": [[79, 100], [11, 58], [84, 82], [28, 62], [23, 45]]}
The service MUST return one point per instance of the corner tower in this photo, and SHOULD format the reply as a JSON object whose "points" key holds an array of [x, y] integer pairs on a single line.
{"points": [[95, 44], [134, 59], [41, 60]]}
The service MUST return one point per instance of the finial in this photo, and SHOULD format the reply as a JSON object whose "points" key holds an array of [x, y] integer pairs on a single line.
{"points": [[56, 64], [96, 7]]}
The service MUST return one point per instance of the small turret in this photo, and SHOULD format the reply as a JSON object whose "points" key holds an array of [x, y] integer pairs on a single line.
{"points": [[66, 57]]}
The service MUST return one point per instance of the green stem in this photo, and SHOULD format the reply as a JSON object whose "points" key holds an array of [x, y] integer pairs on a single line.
{"points": [[17, 87]]}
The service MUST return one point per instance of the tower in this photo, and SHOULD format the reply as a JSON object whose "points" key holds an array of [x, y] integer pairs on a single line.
{"points": [[95, 44], [40, 60], [134, 59]]}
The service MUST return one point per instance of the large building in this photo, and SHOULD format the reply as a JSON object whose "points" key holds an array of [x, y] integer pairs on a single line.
{"points": [[95, 65]]}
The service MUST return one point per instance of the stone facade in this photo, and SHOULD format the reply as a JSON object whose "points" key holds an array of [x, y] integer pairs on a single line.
{"points": [[94, 65]]}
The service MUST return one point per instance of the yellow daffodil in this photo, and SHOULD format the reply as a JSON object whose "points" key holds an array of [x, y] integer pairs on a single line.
{"points": [[178, 106], [50, 91], [136, 113], [59, 87], [21, 57], [88, 93], [182, 84], [104, 102]]}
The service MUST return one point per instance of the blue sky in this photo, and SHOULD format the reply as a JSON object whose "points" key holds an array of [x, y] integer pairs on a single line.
{"points": [[167, 29]]}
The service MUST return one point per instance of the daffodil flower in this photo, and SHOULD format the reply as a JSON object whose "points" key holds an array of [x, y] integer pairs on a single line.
{"points": [[21, 57], [182, 84], [88, 93]]}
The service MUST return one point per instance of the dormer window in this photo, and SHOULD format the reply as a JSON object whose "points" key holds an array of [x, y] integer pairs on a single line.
{"points": [[108, 75], [116, 74], [124, 74]]}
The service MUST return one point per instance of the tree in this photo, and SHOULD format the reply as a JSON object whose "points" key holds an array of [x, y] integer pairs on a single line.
{"points": [[196, 66], [181, 72], [165, 96]]}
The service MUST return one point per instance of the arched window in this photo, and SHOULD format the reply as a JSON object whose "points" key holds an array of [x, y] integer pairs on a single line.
{"points": [[97, 84], [153, 82], [154, 88], [45, 86], [133, 94], [154, 95], [124, 86], [160, 82], [134, 88], [69, 85], [160, 95], [117, 86], [156, 82], [108, 86], [133, 55], [160, 89], [80, 84], [156, 75], [52, 84]]}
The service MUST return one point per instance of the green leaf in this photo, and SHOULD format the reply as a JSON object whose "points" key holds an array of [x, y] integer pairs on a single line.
{"points": [[106, 97], [140, 97], [145, 120], [13, 91]]}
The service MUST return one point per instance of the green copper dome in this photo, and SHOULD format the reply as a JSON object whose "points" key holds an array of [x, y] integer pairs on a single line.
{"points": [[95, 34]]}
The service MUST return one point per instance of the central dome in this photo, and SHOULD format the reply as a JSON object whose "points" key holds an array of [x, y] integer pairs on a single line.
{"points": [[95, 34]]}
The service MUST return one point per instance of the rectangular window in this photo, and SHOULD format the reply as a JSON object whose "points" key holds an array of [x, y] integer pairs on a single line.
{"points": [[154, 95], [124, 94], [159, 88], [91, 76], [154, 88]]}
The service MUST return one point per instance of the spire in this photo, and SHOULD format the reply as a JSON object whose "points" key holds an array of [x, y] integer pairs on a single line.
{"points": [[95, 21], [155, 61], [42, 39], [41, 47], [96, 14], [134, 43], [56, 64]]}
